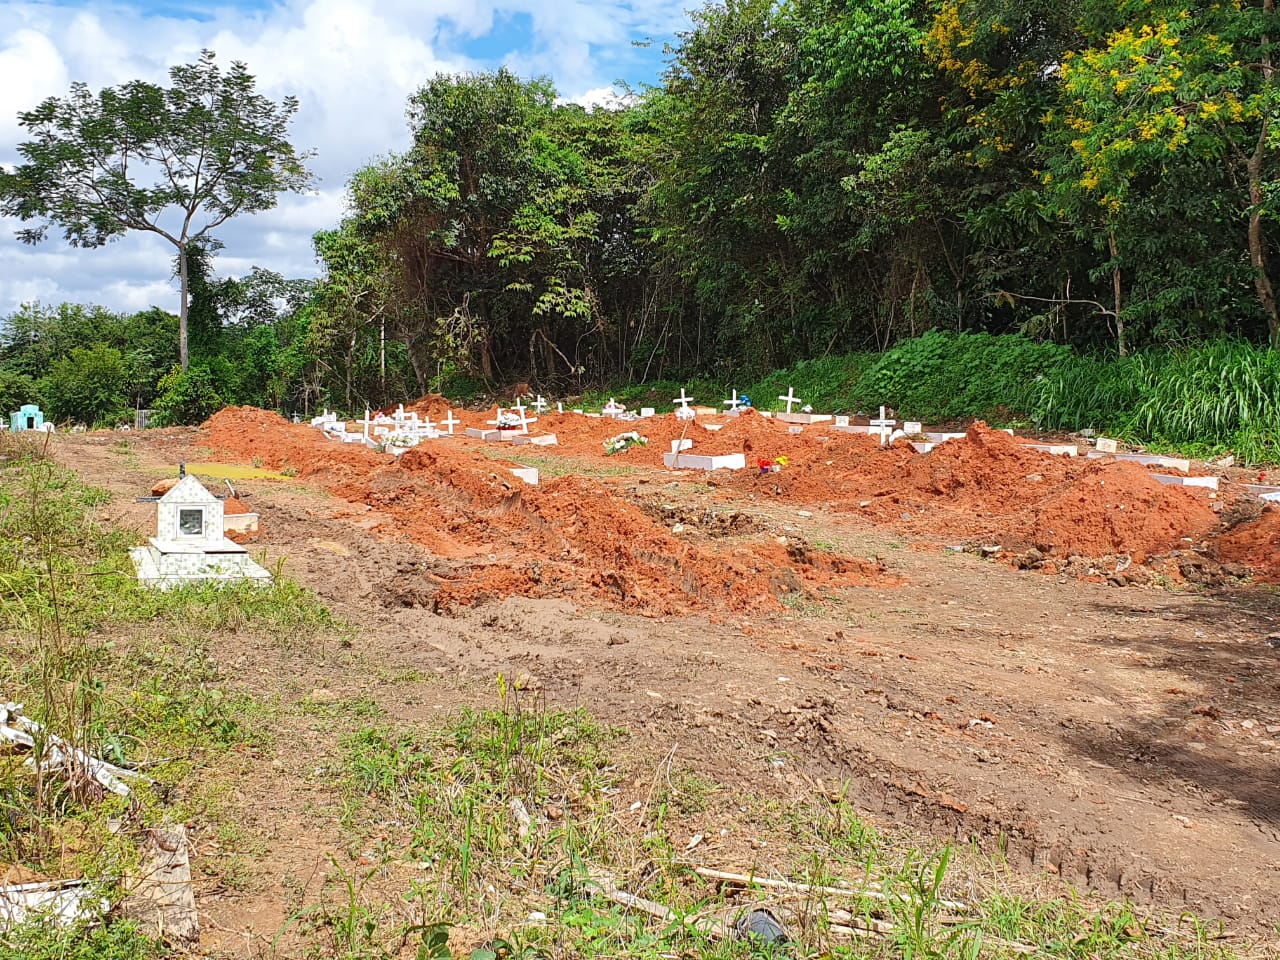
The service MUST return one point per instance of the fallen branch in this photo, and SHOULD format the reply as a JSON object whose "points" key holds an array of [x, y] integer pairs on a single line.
{"points": [[872, 891]]}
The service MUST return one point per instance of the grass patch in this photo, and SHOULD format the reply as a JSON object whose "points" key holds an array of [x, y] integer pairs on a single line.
{"points": [[562, 466], [520, 811], [121, 673], [115, 940]]}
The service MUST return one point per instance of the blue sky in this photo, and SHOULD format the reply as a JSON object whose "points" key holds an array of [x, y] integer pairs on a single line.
{"points": [[351, 64]]}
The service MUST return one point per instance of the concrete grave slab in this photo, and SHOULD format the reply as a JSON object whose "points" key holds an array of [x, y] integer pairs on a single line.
{"points": [[693, 461], [804, 418], [1146, 459], [1210, 483], [542, 440], [1056, 449], [528, 474]]}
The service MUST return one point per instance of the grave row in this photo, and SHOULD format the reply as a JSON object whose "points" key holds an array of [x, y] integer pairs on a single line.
{"points": [[403, 430]]}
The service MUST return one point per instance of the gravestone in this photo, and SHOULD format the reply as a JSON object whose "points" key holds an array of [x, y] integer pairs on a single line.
{"points": [[190, 545], [883, 428], [27, 417], [790, 398]]}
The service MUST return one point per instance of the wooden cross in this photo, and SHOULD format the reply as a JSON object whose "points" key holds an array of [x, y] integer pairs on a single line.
{"points": [[683, 400], [883, 427], [450, 422], [367, 422], [790, 398], [733, 403]]}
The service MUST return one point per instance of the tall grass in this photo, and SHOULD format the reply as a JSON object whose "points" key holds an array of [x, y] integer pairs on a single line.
{"points": [[1219, 396]]}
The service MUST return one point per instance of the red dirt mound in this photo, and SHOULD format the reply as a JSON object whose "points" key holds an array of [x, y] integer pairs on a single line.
{"points": [[430, 405], [571, 536], [1256, 545], [988, 486]]}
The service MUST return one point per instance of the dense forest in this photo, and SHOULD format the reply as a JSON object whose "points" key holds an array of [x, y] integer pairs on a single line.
{"points": [[811, 178]]}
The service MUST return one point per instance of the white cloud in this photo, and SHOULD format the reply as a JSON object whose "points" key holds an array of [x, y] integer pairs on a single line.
{"points": [[352, 65]]}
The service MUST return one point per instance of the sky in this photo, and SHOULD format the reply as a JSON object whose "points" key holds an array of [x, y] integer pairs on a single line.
{"points": [[352, 66]]}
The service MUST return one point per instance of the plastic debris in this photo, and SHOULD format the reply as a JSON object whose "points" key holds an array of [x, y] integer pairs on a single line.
{"points": [[58, 754], [760, 924]]}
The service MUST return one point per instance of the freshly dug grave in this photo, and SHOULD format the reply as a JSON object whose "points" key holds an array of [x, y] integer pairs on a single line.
{"points": [[988, 487], [570, 537]]}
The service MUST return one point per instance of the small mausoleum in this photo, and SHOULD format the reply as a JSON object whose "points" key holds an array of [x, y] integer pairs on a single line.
{"points": [[27, 417], [190, 545]]}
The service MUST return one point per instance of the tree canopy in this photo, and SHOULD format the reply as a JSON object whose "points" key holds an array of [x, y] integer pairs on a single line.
{"points": [[177, 162]]}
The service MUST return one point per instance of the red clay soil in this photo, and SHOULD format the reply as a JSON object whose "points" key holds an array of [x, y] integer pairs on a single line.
{"points": [[987, 488], [1256, 545], [568, 537]]}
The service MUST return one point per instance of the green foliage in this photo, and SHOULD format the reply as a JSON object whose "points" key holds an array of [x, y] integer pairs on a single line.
{"points": [[186, 396], [89, 386], [943, 376], [17, 389], [114, 940]]}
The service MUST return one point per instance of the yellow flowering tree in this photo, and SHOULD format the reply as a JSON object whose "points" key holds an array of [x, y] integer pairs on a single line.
{"points": [[1164, 96]]}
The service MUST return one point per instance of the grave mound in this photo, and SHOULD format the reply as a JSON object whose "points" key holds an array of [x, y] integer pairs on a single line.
{"points": [[572, 536]]}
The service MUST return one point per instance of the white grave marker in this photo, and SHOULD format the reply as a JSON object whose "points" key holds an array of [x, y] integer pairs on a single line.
{"points": [[790, 398], [524, 420], [613, 409], [883, 428], [733, 403], [450, 422], [682, 400]]}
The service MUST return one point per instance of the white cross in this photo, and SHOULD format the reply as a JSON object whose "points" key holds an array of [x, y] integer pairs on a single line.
{"points": [[450, 422], [399, 415], [734, 403], [429, 427], [367, 422], [883, 427], [613, 408], [539, 405], [497, 421], [790, 398], [520, 408], [683, 400], [559, 407]]}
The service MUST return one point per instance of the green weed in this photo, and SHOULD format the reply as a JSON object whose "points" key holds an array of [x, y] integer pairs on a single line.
{"points": [[114, 940]]}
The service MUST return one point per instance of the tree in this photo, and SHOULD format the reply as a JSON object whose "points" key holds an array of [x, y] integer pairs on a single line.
{"points": [[177, 162]]}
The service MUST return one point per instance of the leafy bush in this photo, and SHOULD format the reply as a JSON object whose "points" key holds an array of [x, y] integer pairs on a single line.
{"points": [[119, 940], [190, 397], [15, 390], [948, 376], [89, 385]]}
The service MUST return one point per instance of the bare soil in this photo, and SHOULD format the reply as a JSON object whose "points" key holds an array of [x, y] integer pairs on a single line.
{"points": [[1108, 729]]}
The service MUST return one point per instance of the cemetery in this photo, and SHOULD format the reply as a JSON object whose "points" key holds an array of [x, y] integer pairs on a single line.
{"points": [[1050, 506], [964, 630]]}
